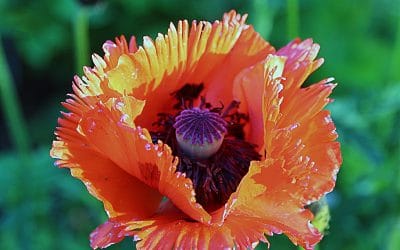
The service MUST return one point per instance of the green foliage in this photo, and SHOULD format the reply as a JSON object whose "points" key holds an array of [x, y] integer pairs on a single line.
{"points": [[43, 207]]}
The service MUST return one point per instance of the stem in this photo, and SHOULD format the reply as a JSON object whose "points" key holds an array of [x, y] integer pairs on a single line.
{"points": [[12, 109], [292, 19], [263, 13], [81, 37], [395, 72]]}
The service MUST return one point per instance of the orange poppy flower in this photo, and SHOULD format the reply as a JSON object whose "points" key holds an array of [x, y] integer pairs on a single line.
{"points": [[202, 138]]}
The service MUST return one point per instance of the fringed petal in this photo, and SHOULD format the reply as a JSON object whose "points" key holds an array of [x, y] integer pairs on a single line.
{"points": [[184, 55], [299, 65], [249, 49], [168, 232], [297, 129], [105, 135], [257, 90], [113, 231], [269, 193], [301, 155], [103, 178], [132, 150]]}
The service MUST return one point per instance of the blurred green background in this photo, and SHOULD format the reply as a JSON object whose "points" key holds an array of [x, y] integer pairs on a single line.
{"points": [[43, 207]]}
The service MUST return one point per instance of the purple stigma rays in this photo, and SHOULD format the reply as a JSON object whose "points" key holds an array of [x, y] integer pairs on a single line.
{"points": [[199, 132]]}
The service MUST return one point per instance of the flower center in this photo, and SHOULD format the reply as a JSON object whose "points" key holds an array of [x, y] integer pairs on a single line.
{"points": [[199, 132], [210, 143]]}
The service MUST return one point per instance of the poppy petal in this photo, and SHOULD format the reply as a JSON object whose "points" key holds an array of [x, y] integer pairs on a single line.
{"points": [[292, 176], [301, 130], [268, 193], [249, 88], [249, 49], [312, 142], [113, 50], [132, 150], [312, 133], [299, 65], [185, 55], [105, 135], [169, 232], [103, 178], [113, 231], [257, 210]]}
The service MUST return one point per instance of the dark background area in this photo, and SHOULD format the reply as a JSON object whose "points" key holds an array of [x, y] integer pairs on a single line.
{"points": [[42, 207]]}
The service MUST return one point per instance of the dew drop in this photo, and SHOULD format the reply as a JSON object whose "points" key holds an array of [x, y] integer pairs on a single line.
{"points": [[254, 244], [92, 126], [119, 105], [280, 87], [124, 118], [134, 74], [328, 119], [294, 126], [147, 146]]}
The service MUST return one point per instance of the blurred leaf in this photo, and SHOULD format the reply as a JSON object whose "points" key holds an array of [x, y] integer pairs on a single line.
{"points": [[394, 236], [47, 208]]}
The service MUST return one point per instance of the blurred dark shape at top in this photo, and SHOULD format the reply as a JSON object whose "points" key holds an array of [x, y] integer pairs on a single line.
{"points": [[88, 2]]}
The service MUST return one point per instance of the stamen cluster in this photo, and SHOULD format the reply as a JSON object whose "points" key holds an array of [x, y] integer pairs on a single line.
{"points": [[209, 143]]}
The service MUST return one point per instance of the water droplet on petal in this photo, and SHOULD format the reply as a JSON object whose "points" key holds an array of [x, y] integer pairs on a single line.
{"points": [[134, 74], [147, 146], [124, 118], [119, 105], [328, 119], [92, 126]]}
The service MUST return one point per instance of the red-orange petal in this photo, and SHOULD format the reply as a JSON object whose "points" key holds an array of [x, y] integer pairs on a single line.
{"points": [[306, 132], [108, 233], [105, 135], [257, 90], [113, 231], [299, 65], [132, 150], [249, 49], [185, 55], [301, 155], [167, 232], [268, 193], [103, 178]]}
